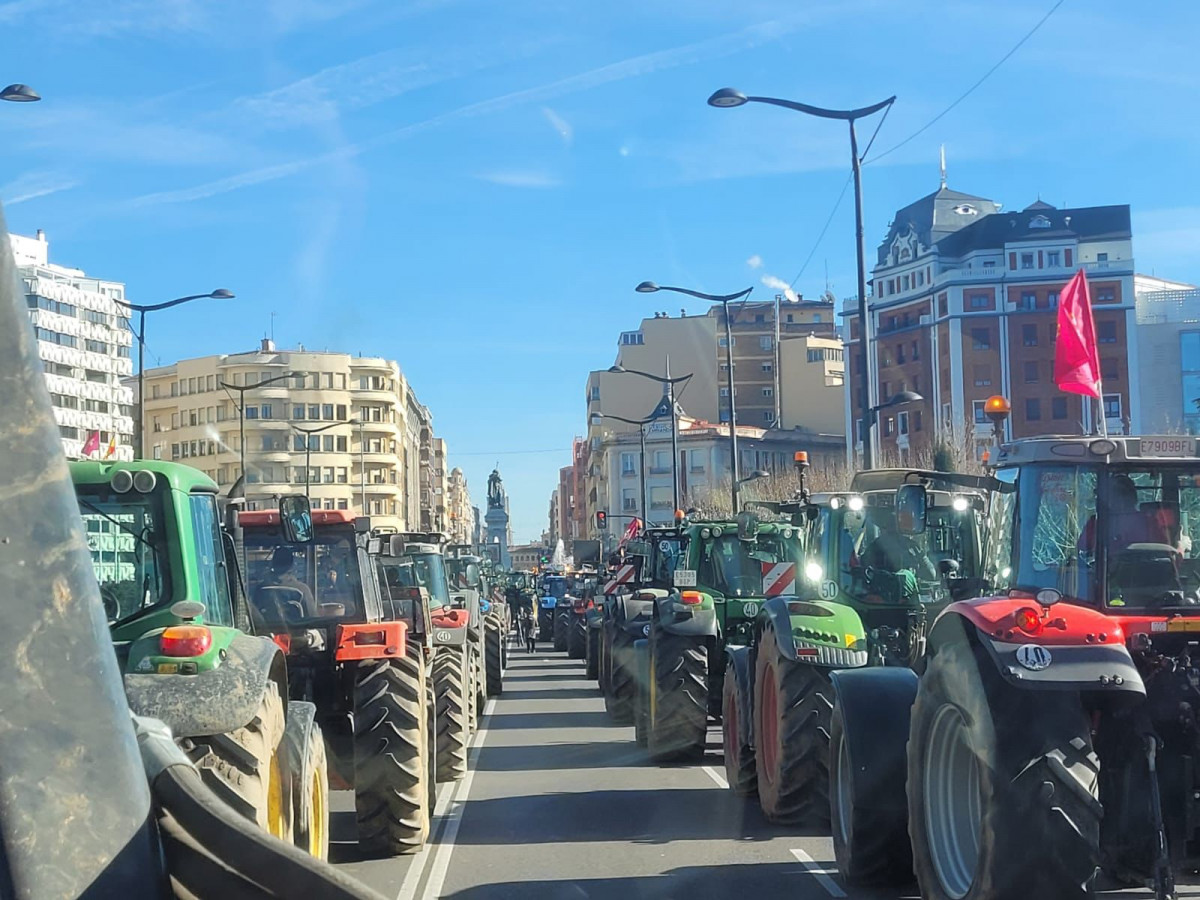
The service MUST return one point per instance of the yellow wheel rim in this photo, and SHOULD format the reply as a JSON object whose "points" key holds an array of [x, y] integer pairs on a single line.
{"points": [[316, 825], [276, 823]]}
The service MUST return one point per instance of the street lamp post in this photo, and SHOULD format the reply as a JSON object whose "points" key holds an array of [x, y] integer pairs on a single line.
{"points": [[669, 383], [649, 287], [242, 390], [729, 97], [141, 309], [900, 398], [641, 424], [308, 433]]}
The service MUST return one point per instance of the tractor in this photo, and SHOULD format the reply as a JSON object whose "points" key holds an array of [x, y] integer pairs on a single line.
{"points": [[552, 592], [177, 613], [865, 597], [583, 594], [626, 609], [465, 572], [1056, 709], [720, 573], [359, 660]]}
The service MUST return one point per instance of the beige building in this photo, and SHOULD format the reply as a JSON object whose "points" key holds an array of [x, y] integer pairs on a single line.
{"points": [[813, 375], [460, 514], [348, 430]]}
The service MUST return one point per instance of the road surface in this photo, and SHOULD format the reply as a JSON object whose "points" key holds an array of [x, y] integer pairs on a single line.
{"points": [[560, 804]]}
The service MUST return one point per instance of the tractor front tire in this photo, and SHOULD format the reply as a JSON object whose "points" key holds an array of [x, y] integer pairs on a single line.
{"points": [[737, 729], [493, 656], [562, 628], [621, 665], [453, 697], [678, 702], [246, 767], [992, 771], [577, 639], [793, 704], [309, 769], [592, 665], [391, 751]]}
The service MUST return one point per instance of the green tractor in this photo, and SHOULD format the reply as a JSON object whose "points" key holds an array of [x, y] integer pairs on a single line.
{"points": [[865, 597], [181, 628], [721, 573]]}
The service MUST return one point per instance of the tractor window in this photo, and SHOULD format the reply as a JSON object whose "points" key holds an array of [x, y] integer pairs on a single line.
{"points": [[668, 556], [734, 567], [212, 579], [430, 570], [1054, 506], [291, 583], [125, 535]]}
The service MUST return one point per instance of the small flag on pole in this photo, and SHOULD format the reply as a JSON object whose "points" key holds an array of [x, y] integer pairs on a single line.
{"points": [[92, 444], [1076, 354], [112, 446]]}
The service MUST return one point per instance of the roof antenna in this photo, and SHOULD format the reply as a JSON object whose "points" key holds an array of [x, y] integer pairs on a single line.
{"points": [[943, 165]]}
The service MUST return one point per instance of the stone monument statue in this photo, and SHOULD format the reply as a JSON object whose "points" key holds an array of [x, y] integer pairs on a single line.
{"points": [[497, 519]]}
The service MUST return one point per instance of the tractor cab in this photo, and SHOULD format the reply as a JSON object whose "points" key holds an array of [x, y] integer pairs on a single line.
{"points": [[412, 578]]}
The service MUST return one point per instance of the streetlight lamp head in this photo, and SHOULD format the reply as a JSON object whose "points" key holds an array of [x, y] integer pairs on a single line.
{"points": [[222, 294], [616, 370], [905, 397], [760, 473], [727, 98], [20, 93], [646, 287]]}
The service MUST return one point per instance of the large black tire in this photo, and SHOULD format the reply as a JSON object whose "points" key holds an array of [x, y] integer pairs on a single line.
{"points": [[481, 686], [304, 746], [493, 656], [870, 845], [1024, 759], [641, 694], [246, 767], [793, 704], [577, 638], [562, 628], [391, 752], [619, 699], [453, 697], [737, 731], [678, 704], [605, 668], [592, 667]]}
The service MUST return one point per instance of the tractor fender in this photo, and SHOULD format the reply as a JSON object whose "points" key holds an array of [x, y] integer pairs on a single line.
{"points": [[635, 609], [1059, 659], [450, 629], [876, 705], [741, 661], [816, 632], [214, 701], [678, 618]]}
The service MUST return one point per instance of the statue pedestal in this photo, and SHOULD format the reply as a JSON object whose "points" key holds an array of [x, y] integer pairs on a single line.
{"points": [[497, 535]]}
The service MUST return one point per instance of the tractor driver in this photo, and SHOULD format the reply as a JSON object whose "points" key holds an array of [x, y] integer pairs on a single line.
{"points": [[280, 575]]}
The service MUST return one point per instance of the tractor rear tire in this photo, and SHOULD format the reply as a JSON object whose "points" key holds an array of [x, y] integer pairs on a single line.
{"points": [[603, 675], [737, 730], [870, 845], [1006, 768], [482, 686], [453, 697], [577, 639], [391, 751], [641, 695], [493, 656], [678, 701], [309, 770], [562, 628], [246, 767], [592, 666], [619, 699], [793, 704]]}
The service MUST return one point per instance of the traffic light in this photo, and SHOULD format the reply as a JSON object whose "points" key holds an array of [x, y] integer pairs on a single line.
{"points": [[601, 520]]}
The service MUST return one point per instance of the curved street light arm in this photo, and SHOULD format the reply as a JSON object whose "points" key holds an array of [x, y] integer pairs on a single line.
{"points": [[715, 298], [145, 308], [845, 114], [661, 379], [626, 421]]}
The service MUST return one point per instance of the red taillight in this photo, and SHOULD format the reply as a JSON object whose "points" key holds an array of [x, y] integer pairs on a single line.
{"points": [[1028, 620], [185, 640], [690, 597], [283, 642]]}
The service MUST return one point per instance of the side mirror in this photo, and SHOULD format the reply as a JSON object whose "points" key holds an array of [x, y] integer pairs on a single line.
{"points": [[747, 525], [295, 518], [472, 573], [911, 502]]}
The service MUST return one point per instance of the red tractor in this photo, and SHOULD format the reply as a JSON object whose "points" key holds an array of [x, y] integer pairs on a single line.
{"points": [[1048, 741], [359, 659]]}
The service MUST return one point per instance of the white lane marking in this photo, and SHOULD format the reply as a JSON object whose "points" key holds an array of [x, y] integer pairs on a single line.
{"points": [[441, 860], [447, 793], [819, 872], [716, 776]]}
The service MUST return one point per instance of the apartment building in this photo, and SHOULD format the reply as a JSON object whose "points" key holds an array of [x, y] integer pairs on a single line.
{"points": [[964, 306], [460, 514], [84, 342], [347, 430]]}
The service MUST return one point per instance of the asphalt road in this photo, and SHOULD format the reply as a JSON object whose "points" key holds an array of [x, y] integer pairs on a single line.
{"points": [[560, 804]]}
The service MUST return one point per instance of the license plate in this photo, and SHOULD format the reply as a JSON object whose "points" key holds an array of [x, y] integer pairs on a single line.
{"points": [[1183, 625], [1168, 446]]}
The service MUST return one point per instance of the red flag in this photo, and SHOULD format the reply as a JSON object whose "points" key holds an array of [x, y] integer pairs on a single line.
{"points": [[1076, 354], [630, 532], [92, 444]]}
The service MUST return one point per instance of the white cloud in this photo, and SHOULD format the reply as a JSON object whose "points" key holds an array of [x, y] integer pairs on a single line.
{"points": [[782, 286], [755, 262], [31, 185], [522, 179], [559, 124]]}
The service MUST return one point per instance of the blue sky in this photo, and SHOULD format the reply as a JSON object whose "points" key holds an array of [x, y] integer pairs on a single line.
{"points": [[474, 188]]}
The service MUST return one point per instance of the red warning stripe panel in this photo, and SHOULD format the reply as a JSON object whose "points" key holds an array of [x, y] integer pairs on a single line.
{"points": [[778, 579], [623, 575]]}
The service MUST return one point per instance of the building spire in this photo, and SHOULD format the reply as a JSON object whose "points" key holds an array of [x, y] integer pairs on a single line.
{"points": [[943, 165]]}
